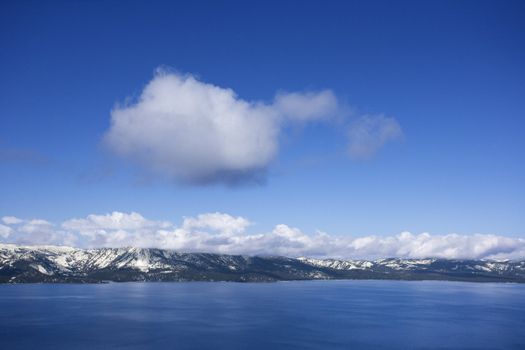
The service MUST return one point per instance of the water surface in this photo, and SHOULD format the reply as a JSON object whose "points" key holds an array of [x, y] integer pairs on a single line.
{"points": [[285, 315]]}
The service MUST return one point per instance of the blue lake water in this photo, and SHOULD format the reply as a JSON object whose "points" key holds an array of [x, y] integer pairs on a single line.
{"points": [[285, 315]]}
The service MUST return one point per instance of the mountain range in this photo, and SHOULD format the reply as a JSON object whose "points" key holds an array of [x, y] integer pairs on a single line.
{"points": [[58, 264]]}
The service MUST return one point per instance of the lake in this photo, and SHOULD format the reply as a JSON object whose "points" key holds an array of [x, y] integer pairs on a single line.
{"points": [[284, 315]]}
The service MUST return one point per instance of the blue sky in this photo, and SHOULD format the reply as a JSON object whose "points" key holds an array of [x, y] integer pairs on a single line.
{"points": [[450, 73]]}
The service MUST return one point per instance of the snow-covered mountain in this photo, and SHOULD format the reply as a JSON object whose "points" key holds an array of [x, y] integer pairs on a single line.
{"points": [[452, 267], [19, 264]]}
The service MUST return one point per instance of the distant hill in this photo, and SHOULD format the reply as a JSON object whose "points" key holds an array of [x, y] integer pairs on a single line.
{"points": [[53, 264]]}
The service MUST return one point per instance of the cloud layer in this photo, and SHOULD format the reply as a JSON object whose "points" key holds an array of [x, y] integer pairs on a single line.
{"points": [[223, 233], [190, 131]]}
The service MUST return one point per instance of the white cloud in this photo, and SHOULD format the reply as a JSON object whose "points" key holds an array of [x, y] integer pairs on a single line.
{"points": [[190, 131], [450, 246], [34, 232], [114, 229], [306, 106], [216, 222], [35, 225], [114, 221], [223, 233], [368, 133], [5, 231], [11, 220]]}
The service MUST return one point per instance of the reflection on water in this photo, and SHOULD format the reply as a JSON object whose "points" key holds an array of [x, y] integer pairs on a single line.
{"points": [[301, 315]]}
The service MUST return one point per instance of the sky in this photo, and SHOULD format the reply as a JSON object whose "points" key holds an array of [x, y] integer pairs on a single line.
{"points": [[388, 121]]}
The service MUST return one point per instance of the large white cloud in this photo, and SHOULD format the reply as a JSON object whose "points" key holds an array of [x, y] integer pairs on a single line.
{"points": [[191, 131], [223, 233]]}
